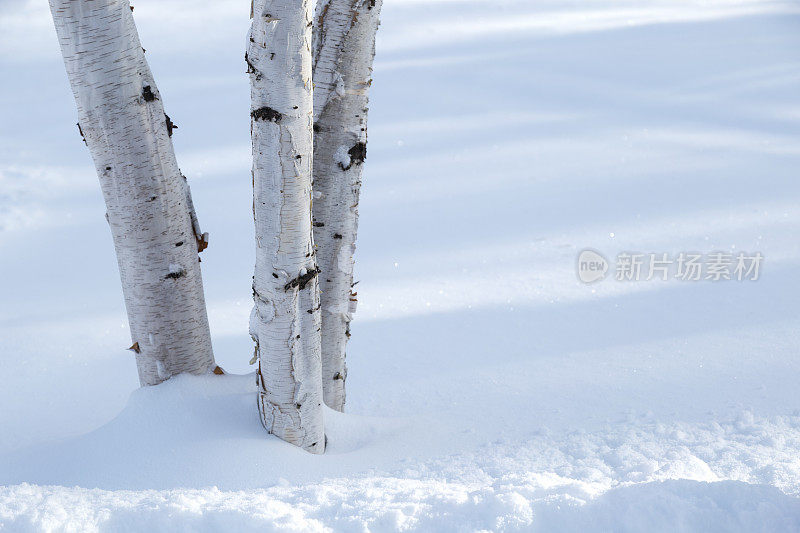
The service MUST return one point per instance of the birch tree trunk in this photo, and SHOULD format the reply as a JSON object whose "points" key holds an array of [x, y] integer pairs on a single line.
{"points": [[149, 207], [344, 48], [285, 321]]}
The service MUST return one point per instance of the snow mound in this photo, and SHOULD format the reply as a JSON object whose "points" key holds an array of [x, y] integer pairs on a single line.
{"points": [[189, 454], [192, 431], [381, 504]]}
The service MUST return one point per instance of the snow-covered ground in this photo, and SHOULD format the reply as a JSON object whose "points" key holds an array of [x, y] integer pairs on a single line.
{"points": [[489, 389]]}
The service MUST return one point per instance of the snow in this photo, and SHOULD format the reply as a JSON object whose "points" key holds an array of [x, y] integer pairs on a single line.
{"points": [[342, 157], [488, 388], [397, 504]]}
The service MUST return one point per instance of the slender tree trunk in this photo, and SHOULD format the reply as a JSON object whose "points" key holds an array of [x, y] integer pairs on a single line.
{"points": [[344, 48], [148, 202], [285, 321]]}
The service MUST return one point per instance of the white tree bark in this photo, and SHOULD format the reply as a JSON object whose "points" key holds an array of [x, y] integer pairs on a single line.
{"points": [[148, 202], [344, 48], [285, 321]]}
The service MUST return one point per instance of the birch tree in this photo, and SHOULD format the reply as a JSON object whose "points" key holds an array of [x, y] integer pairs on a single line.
{"points": [[285, 320], [344, 48], [149, 208]]}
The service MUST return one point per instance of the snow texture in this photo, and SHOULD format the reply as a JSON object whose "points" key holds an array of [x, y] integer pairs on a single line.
{"points": [[341, 157], [488, 388]]}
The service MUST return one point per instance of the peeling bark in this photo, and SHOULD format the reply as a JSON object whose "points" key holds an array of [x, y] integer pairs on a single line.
{"points": [[344, 48], [148, 201], [285, 321]]}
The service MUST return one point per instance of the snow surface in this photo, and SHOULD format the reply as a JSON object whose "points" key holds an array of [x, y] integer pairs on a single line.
{"points": [[488, 387]]}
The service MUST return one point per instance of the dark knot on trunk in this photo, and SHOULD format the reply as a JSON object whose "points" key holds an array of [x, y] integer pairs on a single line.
{"points": [[268, 114]]}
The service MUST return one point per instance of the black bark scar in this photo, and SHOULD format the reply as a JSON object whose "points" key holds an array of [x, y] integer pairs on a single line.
{"points": [[147, 94], [358, 153], [268, 114], [170, 125], [302, 280], [80, 130], [251, 68]]}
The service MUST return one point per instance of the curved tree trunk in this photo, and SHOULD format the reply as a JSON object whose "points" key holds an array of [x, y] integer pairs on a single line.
{"points": [[344, 48], [148, 202], [285, 321]]}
